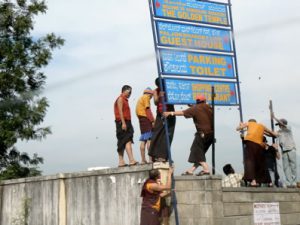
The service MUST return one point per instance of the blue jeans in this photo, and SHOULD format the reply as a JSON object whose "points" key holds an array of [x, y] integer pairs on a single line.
{"points": [[289, 166]]}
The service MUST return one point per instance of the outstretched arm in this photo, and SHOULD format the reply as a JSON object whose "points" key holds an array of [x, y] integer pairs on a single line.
{"points": [[270, 133], [175, 113]]}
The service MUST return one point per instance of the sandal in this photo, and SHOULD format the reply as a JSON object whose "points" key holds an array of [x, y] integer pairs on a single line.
{"points": [[134, 163], [254, 185], [203, 173], [187, 173], [124, 165], [161, 160]]}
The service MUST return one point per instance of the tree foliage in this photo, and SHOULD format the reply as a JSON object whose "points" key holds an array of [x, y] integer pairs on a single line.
{"points": [[22, 58]]}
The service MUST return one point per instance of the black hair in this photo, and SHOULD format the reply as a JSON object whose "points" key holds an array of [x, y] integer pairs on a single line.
{"points": [[157, 82], [154, 174], [265, 139], [227, 169], [126, 88], [252, 120]]}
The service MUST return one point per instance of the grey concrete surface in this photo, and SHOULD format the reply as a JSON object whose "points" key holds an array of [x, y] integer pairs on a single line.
{"points": [[112, 197]]}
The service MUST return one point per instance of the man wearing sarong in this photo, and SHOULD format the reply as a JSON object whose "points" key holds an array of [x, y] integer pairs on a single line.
{"points": [[159, 147], [145, 116], [203, 120], [255, 170], [152, 192], [124, 129]]}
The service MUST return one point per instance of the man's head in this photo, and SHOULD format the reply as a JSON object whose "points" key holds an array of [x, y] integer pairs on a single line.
{"points": [[227, 169], [200, 98], [282, 121], [126, 90], [157, 82], [154, 174], [148, 91], [252, 120]]}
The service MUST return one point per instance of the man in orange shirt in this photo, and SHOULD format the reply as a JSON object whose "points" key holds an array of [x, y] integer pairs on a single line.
{"points": [[146, 121], [254, 160], [124, 129]]}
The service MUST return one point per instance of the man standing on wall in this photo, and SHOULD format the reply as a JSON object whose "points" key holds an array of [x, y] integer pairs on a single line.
{"points": [[203, 119], [124, 129], [255, 163], [288, 148], [146, 120], [159, 148]]}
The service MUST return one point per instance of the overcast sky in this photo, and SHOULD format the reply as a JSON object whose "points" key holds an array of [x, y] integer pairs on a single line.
{"points": [[110, 43]]}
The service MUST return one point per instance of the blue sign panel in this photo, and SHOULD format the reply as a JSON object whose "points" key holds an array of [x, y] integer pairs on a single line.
{"points": [[193, 37], [196, 64], [192, 10], [181, 91]]}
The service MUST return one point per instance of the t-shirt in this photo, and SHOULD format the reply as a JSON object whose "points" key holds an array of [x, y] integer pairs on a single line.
{"points": [[142, 104], [232, 180], [202, 116], [125, 109], [151, 199], [285, 138], [255, 132]]}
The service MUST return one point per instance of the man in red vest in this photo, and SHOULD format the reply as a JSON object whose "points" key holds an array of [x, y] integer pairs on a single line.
{"points": [[124, 129]]}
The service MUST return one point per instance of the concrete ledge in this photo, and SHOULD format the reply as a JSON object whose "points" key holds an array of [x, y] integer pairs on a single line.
{"points": [[110, 171], [112, 196], [261, 189]]}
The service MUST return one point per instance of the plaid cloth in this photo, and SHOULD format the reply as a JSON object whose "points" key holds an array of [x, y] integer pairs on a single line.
{"points": [[232, 180]]}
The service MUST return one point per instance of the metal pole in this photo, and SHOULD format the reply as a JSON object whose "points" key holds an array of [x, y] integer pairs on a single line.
{"points": [[273, 141], [213, 125], [235, 63], [173, 194], [271, 118], [237, 76]]}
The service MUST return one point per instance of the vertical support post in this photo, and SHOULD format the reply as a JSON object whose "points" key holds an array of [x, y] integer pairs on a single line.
{"points": [[173, 194], [237, 73], [271, 118], [62, 208], [213, 125]]}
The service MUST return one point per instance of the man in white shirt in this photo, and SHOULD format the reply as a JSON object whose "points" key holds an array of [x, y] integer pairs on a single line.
{"points": [[288, 148], [231, 179]]}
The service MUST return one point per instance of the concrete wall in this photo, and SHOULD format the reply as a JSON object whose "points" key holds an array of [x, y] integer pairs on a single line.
{"points": [[111, 197]]}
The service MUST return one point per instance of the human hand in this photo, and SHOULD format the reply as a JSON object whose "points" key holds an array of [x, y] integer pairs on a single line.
{"points": [[124, 126], [171, 170]]}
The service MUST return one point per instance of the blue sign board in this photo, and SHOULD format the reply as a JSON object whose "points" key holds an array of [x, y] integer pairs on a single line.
{"points": [[193, 37], [186, 63], [192, 10], [183, 91]]}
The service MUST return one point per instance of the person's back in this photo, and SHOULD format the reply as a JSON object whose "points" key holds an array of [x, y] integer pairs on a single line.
{"points": [[232, 180], [202, 116], [255, 132]]}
